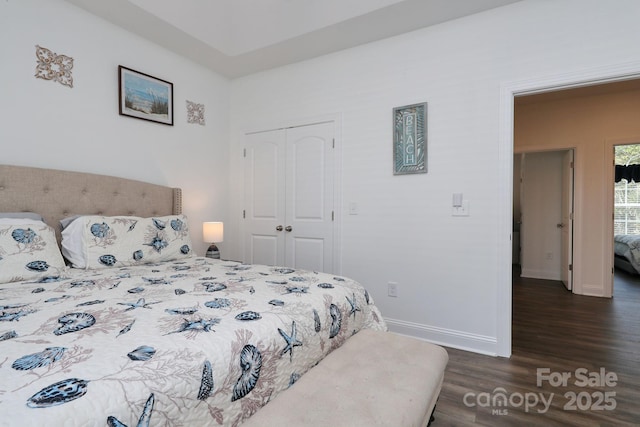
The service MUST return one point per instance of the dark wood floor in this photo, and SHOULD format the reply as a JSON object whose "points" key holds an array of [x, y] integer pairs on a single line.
{"points": [[563, 332]]}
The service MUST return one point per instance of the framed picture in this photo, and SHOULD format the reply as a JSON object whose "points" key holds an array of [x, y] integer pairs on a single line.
{"points": [[145, 97], [410, 139]]}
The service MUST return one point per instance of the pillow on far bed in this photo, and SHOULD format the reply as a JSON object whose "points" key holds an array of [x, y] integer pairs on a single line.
{"points": [[28, 250], [94, 242]]}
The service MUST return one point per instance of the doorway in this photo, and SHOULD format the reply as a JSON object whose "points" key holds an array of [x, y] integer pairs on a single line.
{"points": [[543, 215], [551, 85], [626, 216]]}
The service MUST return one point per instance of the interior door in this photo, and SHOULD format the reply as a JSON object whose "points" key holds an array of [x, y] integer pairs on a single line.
{"points": [[567, 220], [289, 185], [265, 202], [309, 211]]}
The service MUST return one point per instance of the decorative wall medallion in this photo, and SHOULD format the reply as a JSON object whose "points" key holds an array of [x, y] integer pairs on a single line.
{"points": [[52, 66], [195, 113]]}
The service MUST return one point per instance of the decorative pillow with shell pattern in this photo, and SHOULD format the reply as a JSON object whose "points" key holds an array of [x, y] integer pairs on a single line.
{"points": [[28, 251], [95, 242]]}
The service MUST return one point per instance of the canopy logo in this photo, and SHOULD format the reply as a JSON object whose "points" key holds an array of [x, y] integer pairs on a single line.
{"points": [[499, 400]]}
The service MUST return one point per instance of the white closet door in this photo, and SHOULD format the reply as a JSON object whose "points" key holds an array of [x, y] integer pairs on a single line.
{"points": [[289, 193], [265, 197], [309, 194]]}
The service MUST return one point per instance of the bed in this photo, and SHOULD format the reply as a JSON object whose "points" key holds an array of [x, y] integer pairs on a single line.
{"points": [[626, 248], [150, 334]]}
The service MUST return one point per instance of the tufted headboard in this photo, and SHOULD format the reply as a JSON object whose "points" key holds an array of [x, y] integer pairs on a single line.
{"points": [[57, 194]]}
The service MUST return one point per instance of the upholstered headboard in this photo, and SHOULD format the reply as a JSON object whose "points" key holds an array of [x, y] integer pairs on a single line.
{"points": [[57, 194]]}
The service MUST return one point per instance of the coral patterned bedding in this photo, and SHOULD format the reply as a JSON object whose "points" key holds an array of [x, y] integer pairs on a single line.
{"points": [[189, 342]]}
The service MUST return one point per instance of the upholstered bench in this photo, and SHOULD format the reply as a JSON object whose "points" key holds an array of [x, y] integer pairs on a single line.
{"points": [[375, 379]]}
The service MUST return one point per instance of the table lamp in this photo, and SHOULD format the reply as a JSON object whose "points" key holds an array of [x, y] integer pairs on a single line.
{"points": [[213, 232]]}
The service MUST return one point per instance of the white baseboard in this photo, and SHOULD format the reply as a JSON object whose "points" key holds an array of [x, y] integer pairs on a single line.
{"points": [[445, 337], [540, 274], [594, 290]]}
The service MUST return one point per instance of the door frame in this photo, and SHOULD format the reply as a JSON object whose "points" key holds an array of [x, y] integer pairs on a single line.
{"points": [[337, 178], [568, 209], [508, 90]]}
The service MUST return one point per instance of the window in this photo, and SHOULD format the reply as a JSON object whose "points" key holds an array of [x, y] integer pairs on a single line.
{"points": [[626, 209]]}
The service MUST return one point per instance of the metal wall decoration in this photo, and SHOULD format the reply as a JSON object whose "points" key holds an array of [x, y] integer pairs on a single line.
{"points": [[145, 97], [195, 113], [52, 66], [410, 139]]}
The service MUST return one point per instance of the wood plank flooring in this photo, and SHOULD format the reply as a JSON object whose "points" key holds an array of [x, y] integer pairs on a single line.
{"points": [[562, 332]]}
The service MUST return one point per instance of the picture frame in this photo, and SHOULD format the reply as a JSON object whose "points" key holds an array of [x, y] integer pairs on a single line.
{"points": [[410, 139], [145, 97]]}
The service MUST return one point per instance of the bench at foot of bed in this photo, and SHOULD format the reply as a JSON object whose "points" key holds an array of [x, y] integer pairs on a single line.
{"points": [[375, 379]]}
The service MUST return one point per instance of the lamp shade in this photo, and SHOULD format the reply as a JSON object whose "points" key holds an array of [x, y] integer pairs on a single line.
{"points": [[212, 232]]}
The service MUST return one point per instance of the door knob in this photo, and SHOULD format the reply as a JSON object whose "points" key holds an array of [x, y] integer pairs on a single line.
{"points": [[288, 228], [560, 225], [279, 228]]}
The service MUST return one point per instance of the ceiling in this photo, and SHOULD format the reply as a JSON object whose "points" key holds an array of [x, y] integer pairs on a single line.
{"points": [[241, 37]]}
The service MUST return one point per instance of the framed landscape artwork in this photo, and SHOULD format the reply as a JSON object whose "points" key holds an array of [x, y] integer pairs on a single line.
{"points": [[410, 139], [145, 97]]}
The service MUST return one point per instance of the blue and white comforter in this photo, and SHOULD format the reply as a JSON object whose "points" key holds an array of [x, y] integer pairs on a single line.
{"points": [[189, 343]]}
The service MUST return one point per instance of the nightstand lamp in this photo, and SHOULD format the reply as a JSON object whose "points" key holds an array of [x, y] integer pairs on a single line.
{"points": [[213, 232]]}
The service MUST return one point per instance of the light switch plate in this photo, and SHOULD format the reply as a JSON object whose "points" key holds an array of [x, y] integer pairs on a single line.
{"points": [[461, 210]]}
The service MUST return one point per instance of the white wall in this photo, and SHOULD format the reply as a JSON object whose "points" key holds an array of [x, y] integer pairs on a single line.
{"points": [[45, 124], [540, 239], [448, 268]]}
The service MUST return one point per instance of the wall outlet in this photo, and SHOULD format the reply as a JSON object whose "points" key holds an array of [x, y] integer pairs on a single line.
{"points": [[392, 289]]}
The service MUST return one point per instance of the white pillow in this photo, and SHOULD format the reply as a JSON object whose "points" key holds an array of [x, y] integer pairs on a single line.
{"points": [[28, 250], [100, 242], [64, 222], [73, 246]]}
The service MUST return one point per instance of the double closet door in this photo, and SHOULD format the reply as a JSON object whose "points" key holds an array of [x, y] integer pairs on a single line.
{"points": [[289, 197]]}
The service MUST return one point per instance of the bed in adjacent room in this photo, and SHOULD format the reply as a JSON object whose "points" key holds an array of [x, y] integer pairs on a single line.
{"points": [[626, 248], [140, 328]]}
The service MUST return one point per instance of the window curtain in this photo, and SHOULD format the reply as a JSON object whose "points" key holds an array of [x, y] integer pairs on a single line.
{"points": [[629, 172]]}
